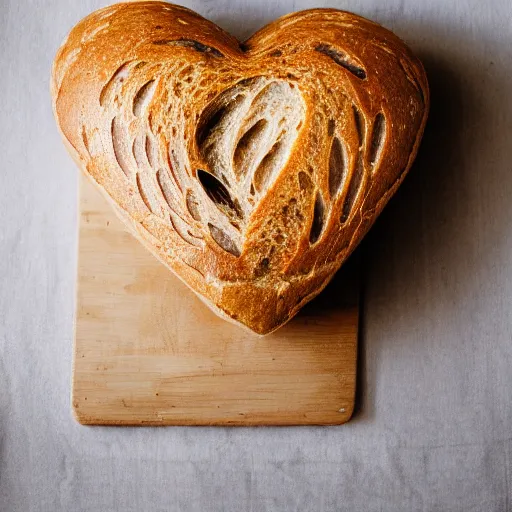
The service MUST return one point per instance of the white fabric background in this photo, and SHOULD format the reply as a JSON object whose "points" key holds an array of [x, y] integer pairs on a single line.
{"points": [[433, 430]]}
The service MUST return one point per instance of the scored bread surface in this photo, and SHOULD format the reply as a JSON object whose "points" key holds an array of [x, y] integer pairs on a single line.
{"points": [[251, 170]]}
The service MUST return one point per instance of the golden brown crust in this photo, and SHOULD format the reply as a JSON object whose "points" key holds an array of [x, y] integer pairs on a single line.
{"points": [[252, 171]]}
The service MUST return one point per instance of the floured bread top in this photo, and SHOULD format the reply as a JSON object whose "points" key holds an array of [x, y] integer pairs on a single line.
{"points": [[251, 170]]}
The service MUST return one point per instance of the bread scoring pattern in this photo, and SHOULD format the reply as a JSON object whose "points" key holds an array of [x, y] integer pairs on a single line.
{"points": [[251, 170]]}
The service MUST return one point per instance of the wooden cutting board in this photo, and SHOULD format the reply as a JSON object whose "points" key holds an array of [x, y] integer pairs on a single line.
{"points": [[149, 352]]}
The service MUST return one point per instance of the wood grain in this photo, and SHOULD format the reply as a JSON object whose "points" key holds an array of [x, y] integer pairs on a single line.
{"points": [[149, 352]]}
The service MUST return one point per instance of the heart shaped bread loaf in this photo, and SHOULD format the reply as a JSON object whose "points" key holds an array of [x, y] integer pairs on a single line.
{"points": [[251, 170]]}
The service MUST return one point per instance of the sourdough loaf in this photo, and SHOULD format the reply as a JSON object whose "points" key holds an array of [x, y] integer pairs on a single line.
{"points": [[251, 170]]}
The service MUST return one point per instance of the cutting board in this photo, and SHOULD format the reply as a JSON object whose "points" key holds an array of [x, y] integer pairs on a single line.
{"points": [[149, 352]]}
